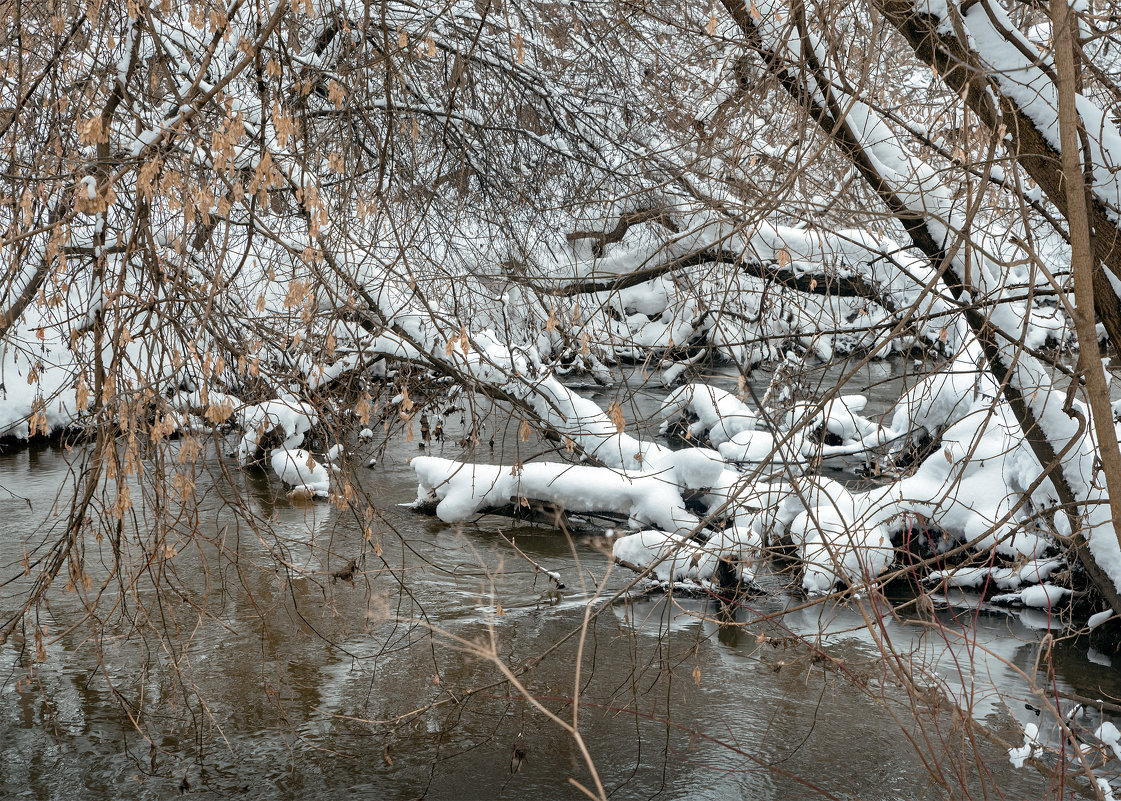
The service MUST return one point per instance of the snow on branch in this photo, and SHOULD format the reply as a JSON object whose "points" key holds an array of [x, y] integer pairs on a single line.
{"points": [[979, 53], [1054, 425]]}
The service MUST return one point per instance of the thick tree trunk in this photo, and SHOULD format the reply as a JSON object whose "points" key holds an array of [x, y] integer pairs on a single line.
{"points": [[1082, 258], [964, 72]]}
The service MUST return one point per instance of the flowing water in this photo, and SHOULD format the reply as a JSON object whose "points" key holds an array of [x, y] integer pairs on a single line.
{"points": [[260, 674]]}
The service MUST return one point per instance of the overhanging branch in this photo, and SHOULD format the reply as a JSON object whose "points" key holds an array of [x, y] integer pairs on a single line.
{"points": [[818, 282]]}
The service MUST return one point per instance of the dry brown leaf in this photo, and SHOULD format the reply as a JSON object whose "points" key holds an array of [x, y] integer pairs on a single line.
{"points": [[615, 412]]}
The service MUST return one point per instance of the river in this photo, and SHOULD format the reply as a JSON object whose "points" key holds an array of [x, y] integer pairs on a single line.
{"points": [[266, 669]]}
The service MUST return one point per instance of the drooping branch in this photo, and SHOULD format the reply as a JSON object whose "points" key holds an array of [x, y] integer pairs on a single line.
{"points": [[34, 278]]}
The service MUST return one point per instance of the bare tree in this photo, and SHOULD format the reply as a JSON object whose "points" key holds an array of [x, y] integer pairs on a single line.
{"points": [[240, 237]]}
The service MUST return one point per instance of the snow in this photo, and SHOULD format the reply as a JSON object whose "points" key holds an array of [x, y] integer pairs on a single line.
{"points": [[38, 388], [994, 36], [843, 536], [696, 468], [760, 447], [463, 490], [1110, 737], [976, 577], [1039, 596], [49, 403], [1038, 570], [590, 427], [940, 399], [969, 488], [291, 417], [841, 417], [674, 558], [1105, 788], [923, 190], [1099, 618], [1030, 748], [720, 414], [838, 541], [438, 298], [299, 470]]}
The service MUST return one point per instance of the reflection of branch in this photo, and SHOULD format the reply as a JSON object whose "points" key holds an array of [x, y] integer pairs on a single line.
{"points": [[554, 577]]}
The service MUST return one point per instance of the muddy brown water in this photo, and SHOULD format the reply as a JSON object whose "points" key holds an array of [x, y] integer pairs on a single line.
{"points": [[257, 674]]}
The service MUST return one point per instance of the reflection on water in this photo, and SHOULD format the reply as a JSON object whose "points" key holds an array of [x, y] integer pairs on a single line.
{"points": [[261, 673]]}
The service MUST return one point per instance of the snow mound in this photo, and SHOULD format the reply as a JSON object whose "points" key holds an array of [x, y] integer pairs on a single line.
{"points": [[696, 468], [1039, 596], [676, 558], [299, 470], [1003, 578], [759, 447], [292, 418], [720, 414]]}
